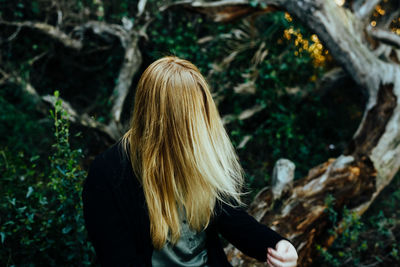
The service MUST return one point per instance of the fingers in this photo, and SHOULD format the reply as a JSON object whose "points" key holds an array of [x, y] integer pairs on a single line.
{"points": [[288, 256], [270, 264], [285, 255], [275, 254], [273, 262]]}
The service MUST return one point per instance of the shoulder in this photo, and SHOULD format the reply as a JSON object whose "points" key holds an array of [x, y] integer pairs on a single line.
{"points": [[108, 168]]}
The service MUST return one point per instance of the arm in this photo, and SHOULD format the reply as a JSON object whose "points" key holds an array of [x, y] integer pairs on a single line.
{"points": [[246, 233], [112, 238]]}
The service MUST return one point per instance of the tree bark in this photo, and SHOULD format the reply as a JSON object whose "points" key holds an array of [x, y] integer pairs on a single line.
{"points": [[49, 30]]}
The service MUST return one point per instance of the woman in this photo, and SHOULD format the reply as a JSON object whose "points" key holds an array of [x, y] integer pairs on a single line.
{"points": [[163, 193]]}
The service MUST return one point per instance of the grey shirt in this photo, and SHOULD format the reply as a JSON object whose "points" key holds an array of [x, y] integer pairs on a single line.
{"points": [[189, 251]]}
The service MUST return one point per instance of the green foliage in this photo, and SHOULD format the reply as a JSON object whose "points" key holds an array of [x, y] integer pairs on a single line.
{"points": [[42, 222], [344, 251], [370, 240], [178, 33], [20, 129], [332, 213]]}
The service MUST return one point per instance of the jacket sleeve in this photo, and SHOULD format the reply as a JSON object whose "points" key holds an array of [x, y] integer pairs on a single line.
{"points": [[110, 235], [246, 233]]}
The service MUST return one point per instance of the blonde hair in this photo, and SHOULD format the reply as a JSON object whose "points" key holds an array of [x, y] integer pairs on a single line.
{"points": [[179, 149]]}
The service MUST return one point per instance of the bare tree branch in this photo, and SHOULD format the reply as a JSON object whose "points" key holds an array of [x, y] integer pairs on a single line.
{"points": [[129, 39], [59, 17], [74, 116], [247, 113], [387, 19], [225, 10], [26, 86], [200, 3], [244, 115], [12, 36], [48, 30], [103, 28], [141, 6], [131, 63], [364, 9], [5, 77], [83, 119], [384, 36]]}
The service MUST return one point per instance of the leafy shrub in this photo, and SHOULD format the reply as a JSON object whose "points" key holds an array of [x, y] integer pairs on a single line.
{"points": [[42, 221], [368, 241]]}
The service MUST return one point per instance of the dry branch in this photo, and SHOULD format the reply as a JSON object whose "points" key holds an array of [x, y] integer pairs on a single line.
{"points": [[385, 36], [363, 9], [82, 119], [223, 11], [389, 16], [132, 60], [12, 36], [131, 63], [103, 29], [141, 6], [49, 30], [74, 115]]}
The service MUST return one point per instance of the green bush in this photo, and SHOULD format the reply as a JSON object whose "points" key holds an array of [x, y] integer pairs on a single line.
{"points": [[368, 241], [42, 222]]}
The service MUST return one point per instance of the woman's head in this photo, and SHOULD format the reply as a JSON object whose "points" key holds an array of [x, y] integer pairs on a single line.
{"points": [[179, 148]]}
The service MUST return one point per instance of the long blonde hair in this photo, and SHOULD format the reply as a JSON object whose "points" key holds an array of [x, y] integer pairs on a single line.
{"points": [[179, 149]]}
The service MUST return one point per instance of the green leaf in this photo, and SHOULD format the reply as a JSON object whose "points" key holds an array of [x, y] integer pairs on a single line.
{"points": [[66, 229], [3, 237], [30, 191], [33, 158]]}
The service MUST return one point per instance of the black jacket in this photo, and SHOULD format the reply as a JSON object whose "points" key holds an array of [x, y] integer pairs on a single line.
{"points": [[118, 225]]}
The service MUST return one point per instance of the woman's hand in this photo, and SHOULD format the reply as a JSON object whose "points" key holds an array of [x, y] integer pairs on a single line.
{"points": [[284, 255]]}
